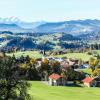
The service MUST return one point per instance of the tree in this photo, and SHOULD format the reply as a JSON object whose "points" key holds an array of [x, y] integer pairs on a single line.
{"points": [[96, 72], [93, 63], [73, 75], [12, 87], [55, 66], [32, 73], [45, 69]]}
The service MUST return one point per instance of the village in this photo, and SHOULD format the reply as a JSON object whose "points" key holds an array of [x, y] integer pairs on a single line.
{"points": [[59, 71], [48, 71], [56, 79], [49, 49]]}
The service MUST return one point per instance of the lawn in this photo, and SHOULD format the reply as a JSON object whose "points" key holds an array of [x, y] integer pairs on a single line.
{"points": [[83, 56], [87, 70], [41, 91], [98, 51], [36, 54], [33, 54]]}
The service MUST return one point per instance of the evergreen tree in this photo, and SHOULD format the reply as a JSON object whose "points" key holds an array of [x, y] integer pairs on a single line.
{"points": [[12, 87]]}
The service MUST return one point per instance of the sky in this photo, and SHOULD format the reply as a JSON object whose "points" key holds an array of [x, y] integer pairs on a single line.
{"points": [[50, 10]]}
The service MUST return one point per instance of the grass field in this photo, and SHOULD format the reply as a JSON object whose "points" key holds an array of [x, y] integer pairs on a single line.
{"points": [[83, 56], [36, 54], [87, 70], [33, 54], [98, 51], [40, 91]]}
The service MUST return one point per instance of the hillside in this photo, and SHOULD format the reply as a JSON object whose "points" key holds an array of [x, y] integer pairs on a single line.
{"points": [[9, 26], [21, 43], [48, 35], [39, 42], [74, 27]]}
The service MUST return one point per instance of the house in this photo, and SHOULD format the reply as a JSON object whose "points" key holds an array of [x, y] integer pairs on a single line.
{"points": [[92, 82], [56, 80], [88, 81]]}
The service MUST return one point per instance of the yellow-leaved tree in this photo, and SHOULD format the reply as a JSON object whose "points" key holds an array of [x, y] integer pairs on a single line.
{"points": [[93, 62]]}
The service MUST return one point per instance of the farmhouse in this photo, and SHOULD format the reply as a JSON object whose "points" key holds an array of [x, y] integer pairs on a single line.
{"points": [[56, 80], [88, 81], [92, 82]]}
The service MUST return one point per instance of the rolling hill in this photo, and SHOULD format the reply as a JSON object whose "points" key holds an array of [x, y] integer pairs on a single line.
{"points": [[75, 27]]}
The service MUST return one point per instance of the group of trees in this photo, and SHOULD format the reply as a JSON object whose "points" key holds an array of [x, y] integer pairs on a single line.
{"points": [[12, 86], [95, 46], [15, 72], [48, 67]]}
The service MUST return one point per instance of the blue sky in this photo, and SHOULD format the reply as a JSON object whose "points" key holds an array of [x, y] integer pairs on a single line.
{"points": [[50, 10]]}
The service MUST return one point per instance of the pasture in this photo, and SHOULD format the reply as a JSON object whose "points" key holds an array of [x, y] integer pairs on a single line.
{"points": [[32, 54], [83, 56], [41, 91]]}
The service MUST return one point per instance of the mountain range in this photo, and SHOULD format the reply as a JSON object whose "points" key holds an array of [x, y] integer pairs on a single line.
{"points": [[74, 27]]}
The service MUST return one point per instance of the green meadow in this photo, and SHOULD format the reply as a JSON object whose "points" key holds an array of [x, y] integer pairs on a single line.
{"points": [[33, 54], [41, 91], [83, 56], [36, 54]]}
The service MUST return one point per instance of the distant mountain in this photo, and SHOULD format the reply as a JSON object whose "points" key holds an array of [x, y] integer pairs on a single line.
{"points": [[9, 26], [11, 20], [13, 28], [22, 24], [74, 27], [30, 25]]}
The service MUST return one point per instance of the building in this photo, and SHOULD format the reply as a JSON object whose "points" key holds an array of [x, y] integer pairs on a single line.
{"points": [[56, 80], [88, 81], [92, 82]]}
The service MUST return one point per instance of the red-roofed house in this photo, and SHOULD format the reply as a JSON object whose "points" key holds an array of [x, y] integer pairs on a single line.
{"points": [[56, 80], [55, 76], [92, 82], [88, 81]]}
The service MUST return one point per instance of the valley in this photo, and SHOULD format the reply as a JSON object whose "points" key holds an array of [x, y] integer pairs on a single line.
{"points": [[50, 59]]}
